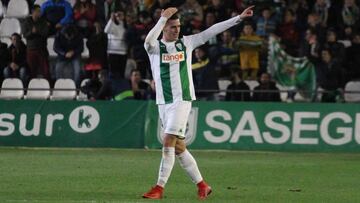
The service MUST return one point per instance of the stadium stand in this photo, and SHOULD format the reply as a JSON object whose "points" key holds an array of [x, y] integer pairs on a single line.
{"points": [[283, 93], [82, 96], [50, 47], [8, 26], [6, 40], [12, 12], [12, 88], [85, 53], [252, 84], [299, 98], [38, 88], [223, 84], [1, 10], [352, 86], [72, 2], [17, 9], [64, 89], [39, 2]]}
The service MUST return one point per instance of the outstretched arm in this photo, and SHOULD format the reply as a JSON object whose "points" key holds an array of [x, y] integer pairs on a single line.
{"points": [[155, 32], [202, 37]]}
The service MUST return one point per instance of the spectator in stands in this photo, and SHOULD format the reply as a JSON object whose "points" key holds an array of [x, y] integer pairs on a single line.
{"points": [[4, 58], [288, 33], [117, 45], [151, 93], [310, 46], [329, 76], [204, 75], [135, 6], [162, 4], [350, 15], [334, 46], [192, 7], [236, 30], [266, 90], [209, 20], [136, 32], [85, 17], [57, 13], [104, 8], [352, 61], [321, 8], [237, 85], [17, 67], [35, 30], [266, 23], [68, 45], [188, 23], [217, 7], [229, 51], [156, 15], [97, 45], [98, 88], [313, 23], [302, 11], [250, 46], [138, 86]]}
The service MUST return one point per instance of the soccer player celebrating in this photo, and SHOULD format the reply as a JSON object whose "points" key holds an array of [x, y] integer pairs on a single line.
{"points": [[170, 60]]}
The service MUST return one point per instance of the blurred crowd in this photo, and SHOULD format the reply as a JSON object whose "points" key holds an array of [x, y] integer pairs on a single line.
{"points": [[325, 31]]}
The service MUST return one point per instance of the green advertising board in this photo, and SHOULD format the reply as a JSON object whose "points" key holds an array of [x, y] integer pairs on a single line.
{"points": [[268, 126], [211, 125], [72, 123]]}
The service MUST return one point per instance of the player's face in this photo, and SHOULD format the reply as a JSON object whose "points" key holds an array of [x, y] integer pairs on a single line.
{"points": [[171, 30]]}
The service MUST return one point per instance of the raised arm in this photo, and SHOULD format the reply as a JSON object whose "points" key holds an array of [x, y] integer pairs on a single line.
{"points": [[155, 32], [202, 37]]}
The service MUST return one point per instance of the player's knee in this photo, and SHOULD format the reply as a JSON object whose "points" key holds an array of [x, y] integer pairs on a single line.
{"points": [[179, 149], [169, 140]]}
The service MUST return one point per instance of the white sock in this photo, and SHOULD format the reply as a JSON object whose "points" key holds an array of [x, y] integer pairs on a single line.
{"points": [[166, 165], [188, 163]]}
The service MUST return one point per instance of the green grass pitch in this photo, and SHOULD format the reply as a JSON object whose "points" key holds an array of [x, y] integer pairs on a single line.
{"points": [[118, 175]]}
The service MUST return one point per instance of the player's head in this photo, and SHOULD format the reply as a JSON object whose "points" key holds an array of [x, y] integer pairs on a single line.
{"points": [[171, 30]]}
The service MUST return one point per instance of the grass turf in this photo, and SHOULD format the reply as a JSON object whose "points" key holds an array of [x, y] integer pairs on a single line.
{"points": [[111, 175]]}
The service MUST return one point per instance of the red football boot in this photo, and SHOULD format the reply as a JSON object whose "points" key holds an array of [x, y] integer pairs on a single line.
{"points": [[155, 193], [204, 190]]}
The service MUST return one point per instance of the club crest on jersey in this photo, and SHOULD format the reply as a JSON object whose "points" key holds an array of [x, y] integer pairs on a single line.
{"points": [[179, 45], [174, 57]]}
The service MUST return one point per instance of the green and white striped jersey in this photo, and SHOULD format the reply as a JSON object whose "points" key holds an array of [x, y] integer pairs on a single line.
{"points": [[171, 61]]}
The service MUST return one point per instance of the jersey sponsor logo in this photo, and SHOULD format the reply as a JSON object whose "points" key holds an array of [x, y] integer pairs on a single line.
{"points": [[175, 57]]}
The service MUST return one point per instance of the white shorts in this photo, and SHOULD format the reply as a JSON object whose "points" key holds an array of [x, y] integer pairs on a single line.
{"points": [[174, 117]]}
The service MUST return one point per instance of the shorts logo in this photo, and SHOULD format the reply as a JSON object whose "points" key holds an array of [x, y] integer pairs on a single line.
{"points": [[175, 57]]}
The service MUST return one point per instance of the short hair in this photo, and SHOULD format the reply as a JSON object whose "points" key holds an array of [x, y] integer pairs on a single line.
{"points": [[36, 6], [17, 35], [291, 11], [175, 16], [235, 70], [248, 23], [134, 70], [327, 49], [70, 30]]}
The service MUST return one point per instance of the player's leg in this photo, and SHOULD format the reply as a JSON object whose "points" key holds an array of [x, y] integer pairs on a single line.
{"points": [[188, 163], [166, 165], [167, 160], [170, 119]]}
